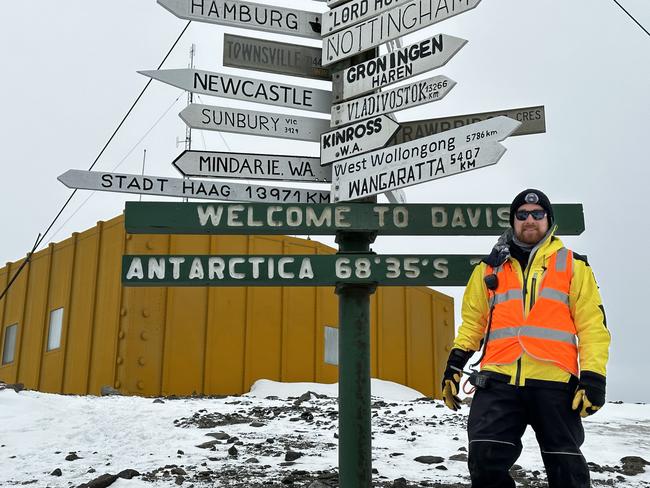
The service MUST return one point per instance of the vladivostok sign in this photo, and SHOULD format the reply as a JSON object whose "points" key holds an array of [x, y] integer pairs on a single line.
{"points": [[247, 89], [178, 187], [266, 124], [248, 15]]}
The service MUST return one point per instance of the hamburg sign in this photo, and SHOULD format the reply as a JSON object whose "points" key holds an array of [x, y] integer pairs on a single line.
{"points": [[247, 89], [240, 121]]}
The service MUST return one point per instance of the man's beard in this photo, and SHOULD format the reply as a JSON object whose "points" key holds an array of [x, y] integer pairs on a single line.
{"points": [[530, 237]]}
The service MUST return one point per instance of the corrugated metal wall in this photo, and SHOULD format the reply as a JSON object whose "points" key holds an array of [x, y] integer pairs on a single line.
{"points": [[152, 341]]}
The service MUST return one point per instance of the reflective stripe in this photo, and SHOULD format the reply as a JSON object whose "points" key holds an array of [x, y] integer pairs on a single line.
{"points": [[534, 332], [552, 294], [560, 260], [490, 440], [509, 295]]}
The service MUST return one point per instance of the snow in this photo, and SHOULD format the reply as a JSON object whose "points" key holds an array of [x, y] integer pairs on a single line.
{"points": [[110, 434]]}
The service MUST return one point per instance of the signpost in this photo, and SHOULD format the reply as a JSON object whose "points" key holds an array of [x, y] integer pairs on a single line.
{"points": [[533, 121], [398, 65], [355, 11], [247, 89], [297, 270], [414, 219], [358, 138], [274, 57], [248, 15], [266, 124], [400, 98], [433, 157], [389, 25], [177, 187], [209, 164]]}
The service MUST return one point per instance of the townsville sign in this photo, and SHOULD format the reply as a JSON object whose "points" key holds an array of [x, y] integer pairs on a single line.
{"points": [[247, 89], [210, 164], [389, 25], [255, 123], [443, 219], [248, 15], [178, 187], [401, 64], [296, 270]]}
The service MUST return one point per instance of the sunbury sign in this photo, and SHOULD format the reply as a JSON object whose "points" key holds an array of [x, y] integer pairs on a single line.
{"points": [[328, 219]]}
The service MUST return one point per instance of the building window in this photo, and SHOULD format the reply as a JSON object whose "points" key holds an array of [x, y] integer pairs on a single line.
{"points": [[9, 347], [54, 332], [331, 345]]}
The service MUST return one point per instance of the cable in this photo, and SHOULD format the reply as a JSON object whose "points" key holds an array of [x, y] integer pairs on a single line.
{"points": [[631, 17], [41, 237]]}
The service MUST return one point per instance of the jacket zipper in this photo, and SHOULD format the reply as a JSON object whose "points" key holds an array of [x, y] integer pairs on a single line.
{"points": [[525, 276]]}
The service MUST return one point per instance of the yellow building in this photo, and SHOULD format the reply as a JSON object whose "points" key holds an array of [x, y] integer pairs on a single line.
{"points": [[68, 325]]}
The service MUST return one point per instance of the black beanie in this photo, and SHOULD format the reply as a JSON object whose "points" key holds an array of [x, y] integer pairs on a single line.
{"points": [[531, 196]]}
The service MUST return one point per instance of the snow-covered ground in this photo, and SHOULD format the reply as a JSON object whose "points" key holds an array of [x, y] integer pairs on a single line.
{"points": [[276, 435]]}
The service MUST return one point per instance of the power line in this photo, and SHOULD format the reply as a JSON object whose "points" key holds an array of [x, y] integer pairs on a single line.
{"points": [[631, 17], [41, 236]]}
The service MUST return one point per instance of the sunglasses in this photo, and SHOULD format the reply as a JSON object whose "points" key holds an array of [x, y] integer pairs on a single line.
{"points": [[523, 214]]}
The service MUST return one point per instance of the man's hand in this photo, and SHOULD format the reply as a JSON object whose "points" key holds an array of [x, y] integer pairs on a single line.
{"points": [[451, 377], [590, 395]]}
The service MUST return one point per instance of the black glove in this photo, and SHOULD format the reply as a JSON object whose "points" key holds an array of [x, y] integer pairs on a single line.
{"points": [[590, 395], [451, 377]]}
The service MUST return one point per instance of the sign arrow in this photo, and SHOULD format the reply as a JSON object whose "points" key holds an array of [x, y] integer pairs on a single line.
{"points": [[247, 89], [265, 124], [178, 187], [400, 98], [248, 15], [358, 138], [398, 65], [429, 158], [389, 25], [208, 164]]}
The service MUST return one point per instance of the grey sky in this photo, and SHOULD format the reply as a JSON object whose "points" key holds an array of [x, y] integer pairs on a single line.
{"points": [[69, 75]]}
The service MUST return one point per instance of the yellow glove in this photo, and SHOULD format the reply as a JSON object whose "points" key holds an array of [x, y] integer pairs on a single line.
{"points": [[450, 388], [580, 401], [590, 395]]}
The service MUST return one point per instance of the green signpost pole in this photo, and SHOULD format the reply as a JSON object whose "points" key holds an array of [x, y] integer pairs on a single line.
{"points": [[355, 450]]}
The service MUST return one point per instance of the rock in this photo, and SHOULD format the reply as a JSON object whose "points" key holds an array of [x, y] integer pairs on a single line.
{"points": [[103, 481], [127, 474], [220, 436], [389, 431], [292, 455], [72, 457], [56, 472], [208, 445], [458, 457], [180, 452], [463, 449], [257, 423], [233, 451], [318, 484], [633, 465], [395, 454], [158, 400], [429, 459], [179, 480], [109, 391], [399, 483], [252, 460], [178, 471], [441, 467]]}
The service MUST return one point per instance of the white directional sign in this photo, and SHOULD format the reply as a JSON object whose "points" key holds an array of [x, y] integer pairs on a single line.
{"points": [[178, 187], [361, 137], [400, 98], [455, 151], [255, 123], [248, 89], [208, 164], [389, 25], [354, 12], [397, 65], [248, 15]]}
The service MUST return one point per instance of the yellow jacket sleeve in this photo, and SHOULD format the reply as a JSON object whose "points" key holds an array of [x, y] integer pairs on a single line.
{"points": [[474, 312], [589, 318]]}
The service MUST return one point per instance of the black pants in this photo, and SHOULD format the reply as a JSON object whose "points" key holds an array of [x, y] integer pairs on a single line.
{"points": [[497, 420]]}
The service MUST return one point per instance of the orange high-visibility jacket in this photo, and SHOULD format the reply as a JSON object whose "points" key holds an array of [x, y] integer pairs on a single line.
{"points": [[544, 327]]}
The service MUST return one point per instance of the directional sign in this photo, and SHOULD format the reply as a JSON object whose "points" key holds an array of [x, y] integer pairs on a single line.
{"points": [[429, 158], [248, 15], [389, 25], [397, 65], [274, 57], [355, 11], [357, 138], [266, 124], [389, 101], [297, 270], [209, 164], [248, 89], [533, 121], [439, 219], [178, 187]]}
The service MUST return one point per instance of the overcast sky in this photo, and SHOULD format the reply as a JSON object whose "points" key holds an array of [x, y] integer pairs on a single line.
{"points": [[69, 76]]}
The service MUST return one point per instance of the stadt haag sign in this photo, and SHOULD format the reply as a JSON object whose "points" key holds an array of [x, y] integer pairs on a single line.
{"points": [[297, 270], [442, 219]]}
